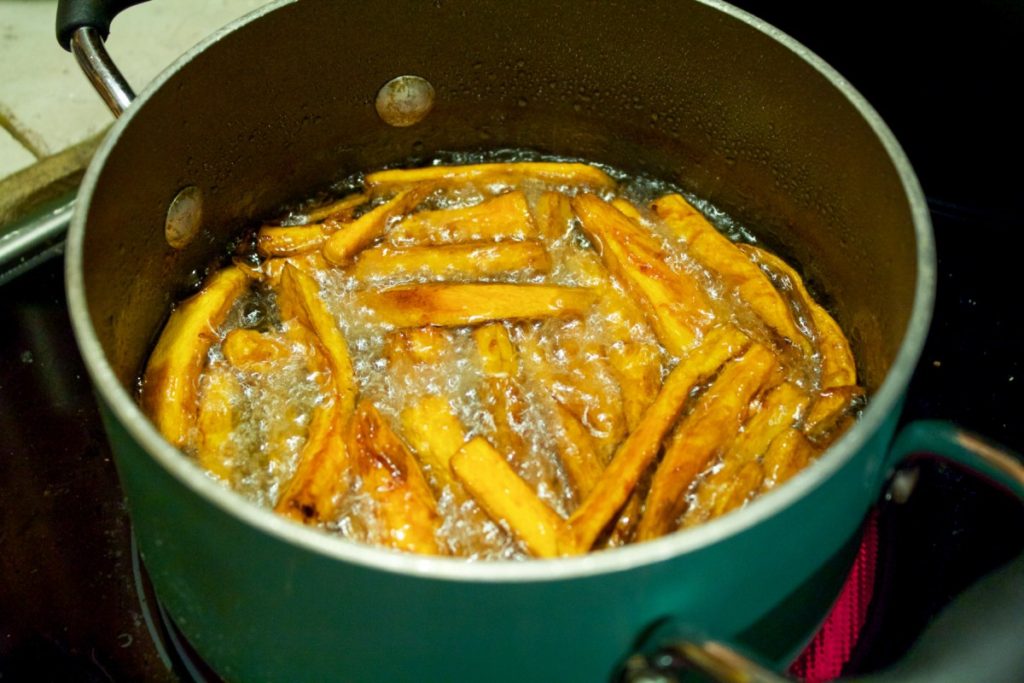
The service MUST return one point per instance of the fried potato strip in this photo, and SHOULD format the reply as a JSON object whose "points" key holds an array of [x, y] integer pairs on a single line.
{"points": [[490, 174], [254, 351], [500, 391], [339, 210], [506, 498], [741, 474], [505, 217], [171, 381], [837, 365], [470, 260], [435, 434], [324, 460], [638, 451], [215, 451], [553, 212], [416, 345], [702, 435], [289, 241], [717, 253], [390, 474], [673, 302], [454, 305], [343, 245]]}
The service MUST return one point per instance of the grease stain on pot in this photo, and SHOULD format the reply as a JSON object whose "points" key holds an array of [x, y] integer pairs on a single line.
{"points": [[184, 216], [405, 100]]}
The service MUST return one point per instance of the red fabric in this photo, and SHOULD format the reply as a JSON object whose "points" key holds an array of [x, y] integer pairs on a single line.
{"points": [[828, 652]]}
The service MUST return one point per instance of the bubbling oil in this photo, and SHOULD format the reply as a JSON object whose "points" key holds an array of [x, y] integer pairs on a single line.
{"points": [[273, 411]]}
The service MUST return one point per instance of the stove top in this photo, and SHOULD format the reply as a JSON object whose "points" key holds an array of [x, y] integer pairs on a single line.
{"points": [[72, 607]]}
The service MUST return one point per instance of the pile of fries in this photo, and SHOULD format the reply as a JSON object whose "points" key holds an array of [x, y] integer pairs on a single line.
{"points": [[502, 360]]}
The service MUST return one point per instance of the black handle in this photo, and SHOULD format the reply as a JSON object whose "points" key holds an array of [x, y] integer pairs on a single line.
{"points": [[75, 14]]}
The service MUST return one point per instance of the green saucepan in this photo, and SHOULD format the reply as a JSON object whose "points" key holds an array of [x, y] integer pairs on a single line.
{"points": [[282, 102]]}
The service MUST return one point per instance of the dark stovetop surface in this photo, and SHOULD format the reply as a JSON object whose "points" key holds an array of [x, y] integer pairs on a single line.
{"points": [[941, 78]]}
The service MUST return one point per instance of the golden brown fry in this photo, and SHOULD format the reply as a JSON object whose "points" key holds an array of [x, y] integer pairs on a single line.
{"points": [[506, 498], [416, 345], [490, 174], [498, 357], [216, 450], [454, 305], [637, 367], [505, 217], [343, 245], [837, 365], [337, 210], [434, 432], [704, 433], [829, 412], [554, 213], [500, 391], [624, 527], [322, 472], [640, 448], [250, 350], [289, 241], [789, 453], [717, 253], [628, 209], [406, 509], [469, 260], [298, 297], [582, 382], [737, 480], [577, 452], [673, 302], [270, 270], [171, 380]]}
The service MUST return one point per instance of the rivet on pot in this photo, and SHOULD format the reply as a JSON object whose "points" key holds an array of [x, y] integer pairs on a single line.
{"points": [[184, 216], [405, 100]]}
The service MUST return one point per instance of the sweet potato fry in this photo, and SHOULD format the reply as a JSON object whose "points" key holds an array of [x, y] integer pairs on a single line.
{"points": [[171, 380], [506, 498], [434, 432], [406, 509], [416, 345], [580, 381], [737, 479], [254, 351], [837, 365], [829, 412], [298, 297], [344, 244], [500, 391], [218, 394], [505, 217], [454, 305], [469, 260], [555, 173], [789, 453], [340, 209], [628, 209], [322, 472], [637, 367], [673, 302], [577, 452], [290, 240], [639, 449], [554, 212], [718, 254], [707, 431]]}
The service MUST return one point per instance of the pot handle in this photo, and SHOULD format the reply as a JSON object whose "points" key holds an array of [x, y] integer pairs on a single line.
{"points": [[977, 637], [82, 26]]}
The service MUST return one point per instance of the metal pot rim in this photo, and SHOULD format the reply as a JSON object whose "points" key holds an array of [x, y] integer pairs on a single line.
{"points": [[880, 407]]}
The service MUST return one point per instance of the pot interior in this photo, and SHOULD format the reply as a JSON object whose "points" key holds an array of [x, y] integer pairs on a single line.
{"points": [[686, 92]]}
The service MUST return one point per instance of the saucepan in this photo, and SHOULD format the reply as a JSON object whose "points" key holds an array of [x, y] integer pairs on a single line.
{"points": [[698, 93]]}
